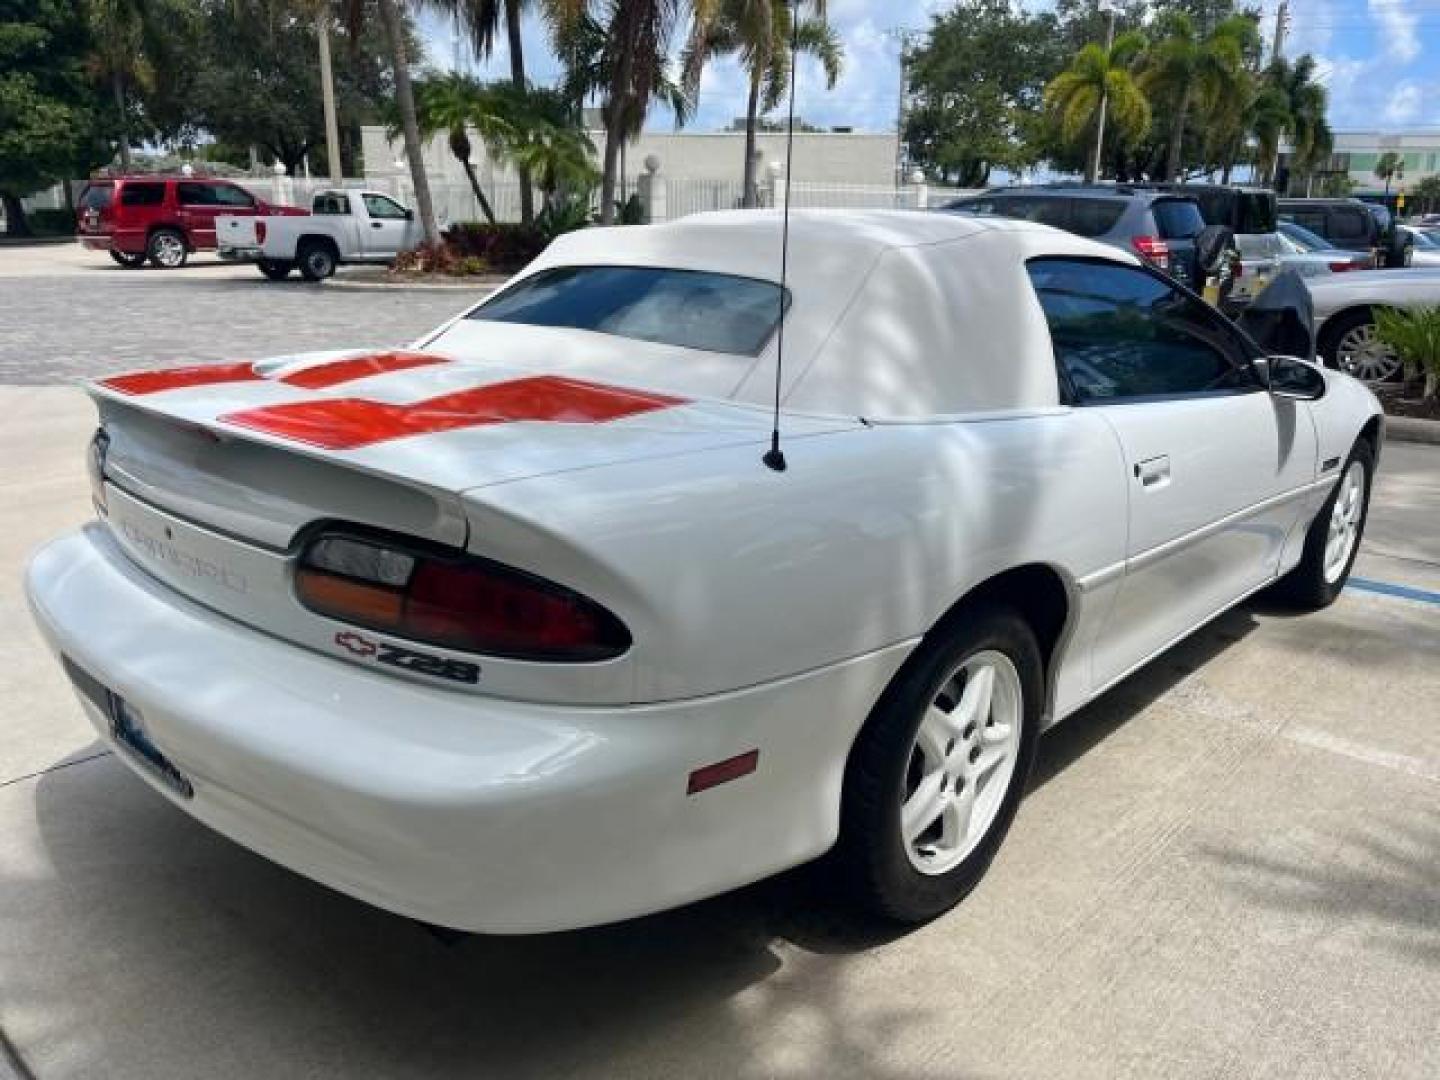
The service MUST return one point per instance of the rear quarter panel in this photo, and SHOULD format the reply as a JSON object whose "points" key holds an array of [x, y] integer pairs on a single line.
{"points": [[729, 574]]}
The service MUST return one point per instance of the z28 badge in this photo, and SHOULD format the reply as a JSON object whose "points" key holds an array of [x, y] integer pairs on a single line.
{"points": [[421, 663]]}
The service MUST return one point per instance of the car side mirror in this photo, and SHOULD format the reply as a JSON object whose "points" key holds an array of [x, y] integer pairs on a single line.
{"points": [[1292, 378], [409, 215]]}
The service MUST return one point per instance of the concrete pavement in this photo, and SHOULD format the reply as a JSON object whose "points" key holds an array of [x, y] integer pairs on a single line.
{"points": [[1229, 866]]}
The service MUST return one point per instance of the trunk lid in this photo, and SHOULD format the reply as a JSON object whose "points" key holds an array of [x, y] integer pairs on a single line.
{"points": [[259, 450]]}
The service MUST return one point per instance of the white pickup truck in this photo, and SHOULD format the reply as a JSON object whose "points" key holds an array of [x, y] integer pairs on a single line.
{"points": [[342, 227]]}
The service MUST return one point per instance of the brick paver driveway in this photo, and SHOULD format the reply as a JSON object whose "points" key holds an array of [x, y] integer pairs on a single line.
{"points": [[69, 315]]}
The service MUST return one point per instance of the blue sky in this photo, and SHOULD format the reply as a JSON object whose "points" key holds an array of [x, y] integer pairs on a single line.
{"points": [[1380, 59]]}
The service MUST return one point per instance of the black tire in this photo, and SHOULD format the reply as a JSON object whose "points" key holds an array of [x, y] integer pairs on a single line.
{"points": [[167, 249], [316, 261], [1306, 586], [275, 271], [871, 856], [129, 260]]}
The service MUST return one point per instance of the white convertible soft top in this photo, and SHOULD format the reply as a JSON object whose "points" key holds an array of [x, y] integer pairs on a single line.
{"points": [[895, 314]]}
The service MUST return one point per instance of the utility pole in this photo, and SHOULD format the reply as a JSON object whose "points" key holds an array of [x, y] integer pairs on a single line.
{"points": [[907, 37], [327, 94], [1282, 23], [1093, 172]]}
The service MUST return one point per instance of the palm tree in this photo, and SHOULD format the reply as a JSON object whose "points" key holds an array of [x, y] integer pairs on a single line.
{"points": [[761, 32], [482, 20], [394, 25], [1305, 102], [122, 29], [1098, 77], [1268, 118], [621, 48], [1184, 68], [454, 104], [1386, 168]]}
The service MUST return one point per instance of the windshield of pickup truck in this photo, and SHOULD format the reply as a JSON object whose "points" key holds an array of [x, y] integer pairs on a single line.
{"points": [[689, 308]]}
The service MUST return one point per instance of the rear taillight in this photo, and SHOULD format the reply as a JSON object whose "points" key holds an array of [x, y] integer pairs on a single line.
{"points": [[1343, 266], [454, 601], [1153, 250], [259, 232]]}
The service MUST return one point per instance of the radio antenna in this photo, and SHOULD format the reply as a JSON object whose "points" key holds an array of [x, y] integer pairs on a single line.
{"points": [[775, 457]]}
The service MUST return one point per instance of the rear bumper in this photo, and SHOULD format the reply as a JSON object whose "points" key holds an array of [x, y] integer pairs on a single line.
{"points": [[240, 254], [95, 241], [464, 811]]}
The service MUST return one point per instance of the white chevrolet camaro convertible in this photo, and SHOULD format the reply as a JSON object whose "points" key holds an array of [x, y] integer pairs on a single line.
{"points": [[514, 631]]}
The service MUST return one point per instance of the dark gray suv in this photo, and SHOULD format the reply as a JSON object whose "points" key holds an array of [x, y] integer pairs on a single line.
{"points": [[1160, 227]]}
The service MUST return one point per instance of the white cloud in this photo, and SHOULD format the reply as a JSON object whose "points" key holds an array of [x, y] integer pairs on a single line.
{"points": [[1397, 27], [1404, 104]]}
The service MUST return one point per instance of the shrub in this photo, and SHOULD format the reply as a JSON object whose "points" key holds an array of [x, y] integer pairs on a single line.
{"points": [[1415, 335], [503, 247], [51, 222]]}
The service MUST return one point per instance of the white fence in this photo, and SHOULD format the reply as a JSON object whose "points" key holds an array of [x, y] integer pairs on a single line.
{"points": [[676, 196]]}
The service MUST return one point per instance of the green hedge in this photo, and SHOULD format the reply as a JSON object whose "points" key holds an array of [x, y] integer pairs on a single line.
{"points": [[51, 222], [504, 247]]}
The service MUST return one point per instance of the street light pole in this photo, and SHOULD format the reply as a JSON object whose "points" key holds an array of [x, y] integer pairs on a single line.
{"points": [[1094, 170]]}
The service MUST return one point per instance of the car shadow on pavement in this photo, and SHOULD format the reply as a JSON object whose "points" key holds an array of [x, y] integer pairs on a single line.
{"points": [[229, 953]]}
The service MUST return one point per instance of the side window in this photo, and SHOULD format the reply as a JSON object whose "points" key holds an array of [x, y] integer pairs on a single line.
{"points": [[1044, 209], [1095, 217], [142, 194], [331, 204], [1350, 224], [1120, 333], [229, 195], [378, 206], [1314, 220], [195, 194]]}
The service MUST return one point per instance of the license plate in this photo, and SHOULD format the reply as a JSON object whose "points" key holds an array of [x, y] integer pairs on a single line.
{"points": [[127, 728]]}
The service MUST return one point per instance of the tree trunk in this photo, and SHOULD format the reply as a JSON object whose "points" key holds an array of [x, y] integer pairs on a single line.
{"points": [[1177, 136], [15, 223], [117, 86], [622, 35], [517, 76], [749, 197], [478, 191], [409, 125]]}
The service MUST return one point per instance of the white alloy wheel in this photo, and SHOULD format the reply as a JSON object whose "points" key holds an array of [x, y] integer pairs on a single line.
{"points": [[961, 763], [1345, 519], [1361, 353], [167, 249]]}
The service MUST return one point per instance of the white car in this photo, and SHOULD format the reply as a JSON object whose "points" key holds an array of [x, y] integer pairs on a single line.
{"points": [[343, 226], [516, 631]]}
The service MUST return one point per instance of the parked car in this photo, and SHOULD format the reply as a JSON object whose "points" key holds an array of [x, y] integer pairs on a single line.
{"points": [[1426, 248], [1250, 214], [1312, 256], [1350, 225], [1160, 228], [1345, 316], [524, 629], [161, 218], [343, 227]]}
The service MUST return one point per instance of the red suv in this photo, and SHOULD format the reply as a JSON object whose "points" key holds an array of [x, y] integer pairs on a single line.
{"points": [[160, 218]]}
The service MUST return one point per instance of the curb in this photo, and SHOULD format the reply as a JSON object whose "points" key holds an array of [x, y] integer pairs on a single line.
{"points": [[481, 288], [1409, 429]]}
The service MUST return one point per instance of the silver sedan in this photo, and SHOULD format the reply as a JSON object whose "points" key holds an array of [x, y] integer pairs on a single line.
{"points": [[1345, 315]]}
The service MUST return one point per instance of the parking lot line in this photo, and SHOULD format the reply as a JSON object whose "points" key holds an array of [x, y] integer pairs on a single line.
{"points": [[1386, 588]]}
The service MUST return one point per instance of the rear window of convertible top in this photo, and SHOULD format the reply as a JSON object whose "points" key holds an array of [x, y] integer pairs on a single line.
{"points": [[689, 308]]}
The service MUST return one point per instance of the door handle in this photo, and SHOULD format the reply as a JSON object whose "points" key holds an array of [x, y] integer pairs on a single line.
{"points": [[377, 225], [1153, 472]]}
